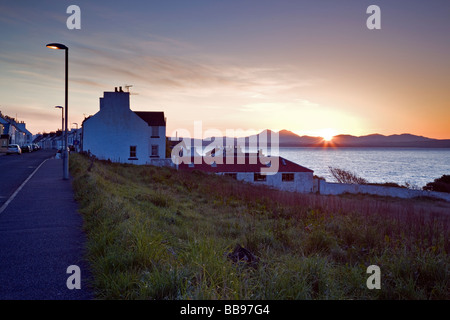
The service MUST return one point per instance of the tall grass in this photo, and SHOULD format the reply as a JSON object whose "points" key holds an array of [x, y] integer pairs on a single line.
{"points": [[157, 233]]}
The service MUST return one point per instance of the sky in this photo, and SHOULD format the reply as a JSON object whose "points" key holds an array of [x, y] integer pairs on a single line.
{"points": [[311, 67]]}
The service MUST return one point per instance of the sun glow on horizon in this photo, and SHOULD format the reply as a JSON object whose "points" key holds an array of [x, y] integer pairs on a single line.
{"points": [[327, 134]]}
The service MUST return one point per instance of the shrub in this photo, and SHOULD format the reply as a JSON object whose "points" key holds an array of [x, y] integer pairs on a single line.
{"points": [[345, 176], [441, 184]]}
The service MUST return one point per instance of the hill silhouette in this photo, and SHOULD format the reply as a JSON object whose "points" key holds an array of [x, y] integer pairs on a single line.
{"points": [[290, 139]]}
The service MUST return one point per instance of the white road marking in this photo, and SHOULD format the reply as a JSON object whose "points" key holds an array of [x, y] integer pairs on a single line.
{"points": [[5, 205]]}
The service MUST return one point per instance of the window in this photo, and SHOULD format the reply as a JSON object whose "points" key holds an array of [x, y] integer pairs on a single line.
{"points": [[231, 175], [154, 151], [259, 177], [132, 152], [287, 177], [155, 132]]}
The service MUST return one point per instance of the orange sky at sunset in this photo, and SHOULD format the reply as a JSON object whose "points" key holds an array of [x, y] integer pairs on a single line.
{"points": [[308, 67]]}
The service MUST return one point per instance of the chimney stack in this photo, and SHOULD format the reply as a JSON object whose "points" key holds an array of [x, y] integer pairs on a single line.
{"points": [[115, 89]]}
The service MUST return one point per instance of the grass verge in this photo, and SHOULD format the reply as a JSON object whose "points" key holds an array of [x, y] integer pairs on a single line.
{"points": [[156, 233]]}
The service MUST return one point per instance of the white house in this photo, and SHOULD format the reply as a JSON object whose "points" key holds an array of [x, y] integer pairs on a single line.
{"points": [[287, 175], [28, 136], [13, 131], [119, 134]]}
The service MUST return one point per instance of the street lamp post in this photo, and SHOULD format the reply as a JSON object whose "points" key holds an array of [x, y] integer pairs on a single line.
{"points": [[62, 117], [76, 135], [62, 123], [59, 46]]}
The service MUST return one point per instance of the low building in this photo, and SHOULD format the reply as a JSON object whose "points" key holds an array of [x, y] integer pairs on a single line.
{"points": [[118, 134], [287, 175]]}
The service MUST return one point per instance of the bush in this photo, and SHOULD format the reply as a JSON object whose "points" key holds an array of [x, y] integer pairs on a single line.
{"points": [[441, 184], [344, 176]]}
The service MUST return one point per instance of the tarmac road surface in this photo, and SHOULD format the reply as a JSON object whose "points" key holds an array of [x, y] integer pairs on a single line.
{"points": [[41, 234]]}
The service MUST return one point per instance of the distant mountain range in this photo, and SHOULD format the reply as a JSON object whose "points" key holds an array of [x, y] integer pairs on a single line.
{"points": [[405, 140]]}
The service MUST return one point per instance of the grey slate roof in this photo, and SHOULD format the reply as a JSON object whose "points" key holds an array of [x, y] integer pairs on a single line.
{"points": [[153, 118]]}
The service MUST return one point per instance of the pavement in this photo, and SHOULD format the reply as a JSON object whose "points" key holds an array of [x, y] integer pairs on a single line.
{"points": [[41, 237]]}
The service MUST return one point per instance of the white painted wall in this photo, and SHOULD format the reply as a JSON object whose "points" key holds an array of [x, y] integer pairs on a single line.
{"points": [[162, 162], [28, 137], [328, 188], [303, 181], [160, 142], [110, 132]]}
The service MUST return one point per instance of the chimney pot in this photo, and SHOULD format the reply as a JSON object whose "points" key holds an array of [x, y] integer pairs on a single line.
{"points": [[115, 89]]}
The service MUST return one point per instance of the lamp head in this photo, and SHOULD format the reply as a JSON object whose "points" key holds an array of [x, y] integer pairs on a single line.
{"points": [[57, 46], [59, 107]]}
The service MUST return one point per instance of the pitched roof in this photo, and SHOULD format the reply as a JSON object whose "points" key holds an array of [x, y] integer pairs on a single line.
{"points": [[153, 118], [284, 165]]}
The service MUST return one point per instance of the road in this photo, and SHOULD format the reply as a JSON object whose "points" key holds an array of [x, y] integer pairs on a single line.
{"points": [[41, 232], [14, 169]]}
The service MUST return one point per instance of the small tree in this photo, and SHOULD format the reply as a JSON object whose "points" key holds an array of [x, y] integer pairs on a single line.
{"points": [[344, 176], [441, 184]]}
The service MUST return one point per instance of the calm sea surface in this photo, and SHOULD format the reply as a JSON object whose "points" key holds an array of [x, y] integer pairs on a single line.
{"points": [[401, 165]]}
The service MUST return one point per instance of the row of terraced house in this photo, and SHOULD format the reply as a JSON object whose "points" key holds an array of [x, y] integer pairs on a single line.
{"points": [[55, 140], [13, 132]]}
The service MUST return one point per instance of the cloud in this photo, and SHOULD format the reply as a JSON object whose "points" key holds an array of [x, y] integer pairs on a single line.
{"points": [[17, 16], [166, 73], [87, 82], [306, 103], [169, 66], [27, 73], [188, 77]]}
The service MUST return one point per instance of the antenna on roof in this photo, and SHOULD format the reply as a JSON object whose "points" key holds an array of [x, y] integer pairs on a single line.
{"points": [[127, 88]]}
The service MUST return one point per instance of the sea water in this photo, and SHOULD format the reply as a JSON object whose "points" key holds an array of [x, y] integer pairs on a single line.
{"points": [[415, 167]]}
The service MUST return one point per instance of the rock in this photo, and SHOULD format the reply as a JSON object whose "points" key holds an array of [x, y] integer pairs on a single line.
{"points": [[242, 255]]}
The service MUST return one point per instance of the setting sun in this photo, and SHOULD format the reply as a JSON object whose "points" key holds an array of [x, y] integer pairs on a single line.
{"points": [[327, 134]]}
